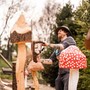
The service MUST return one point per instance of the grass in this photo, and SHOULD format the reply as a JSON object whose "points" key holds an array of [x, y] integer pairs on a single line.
{"points": [[4, 76]]}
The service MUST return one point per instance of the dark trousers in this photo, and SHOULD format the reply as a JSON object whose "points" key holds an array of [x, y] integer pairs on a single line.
{"points": [[61, 82]]}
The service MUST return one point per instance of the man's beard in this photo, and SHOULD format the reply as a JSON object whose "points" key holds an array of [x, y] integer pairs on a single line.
{"points": [[59, 39]]}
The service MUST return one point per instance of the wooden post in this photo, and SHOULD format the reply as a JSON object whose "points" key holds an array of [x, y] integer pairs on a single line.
{"points": [[14, 83], [34, 73], [34, 58], [20, 64]]}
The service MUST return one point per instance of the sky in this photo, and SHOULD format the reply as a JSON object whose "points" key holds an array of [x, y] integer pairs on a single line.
{"points": [[38, 5], [73, 2], [35, 13]]}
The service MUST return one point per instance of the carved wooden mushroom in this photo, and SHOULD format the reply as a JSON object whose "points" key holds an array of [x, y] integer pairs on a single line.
{"points": [[35, 65], [73, 59], [20, 34]]}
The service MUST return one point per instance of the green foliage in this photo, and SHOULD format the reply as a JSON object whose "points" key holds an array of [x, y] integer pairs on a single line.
{"points": [[81, 17], [84, 80], [65, 13], [50, 73], [78, 22], [83, 14], [2, 64], [3, 76], [66, 17]]}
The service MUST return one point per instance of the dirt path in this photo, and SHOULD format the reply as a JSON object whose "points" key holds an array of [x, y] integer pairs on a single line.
{"points": [[5, 86]]}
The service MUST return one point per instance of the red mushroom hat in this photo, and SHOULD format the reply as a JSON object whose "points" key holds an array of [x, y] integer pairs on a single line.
{"points": [[72, 58]]}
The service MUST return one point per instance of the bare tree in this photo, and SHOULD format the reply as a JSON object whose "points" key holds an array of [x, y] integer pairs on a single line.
{"points": [[48, 19]]}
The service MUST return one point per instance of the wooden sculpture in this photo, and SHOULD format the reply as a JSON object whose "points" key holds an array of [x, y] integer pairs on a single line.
{"points": [[35, 65], [20, 34], [87, 40]]}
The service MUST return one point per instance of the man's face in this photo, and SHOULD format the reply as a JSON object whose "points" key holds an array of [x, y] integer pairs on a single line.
{"points": [[61, 34]]}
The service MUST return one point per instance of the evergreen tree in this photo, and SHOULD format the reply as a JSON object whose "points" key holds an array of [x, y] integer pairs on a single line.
{"points": [[64, 17], [82, 18], [78, 22]]}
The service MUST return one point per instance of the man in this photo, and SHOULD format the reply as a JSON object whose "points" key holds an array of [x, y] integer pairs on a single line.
{"points": [[65, 40]]}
